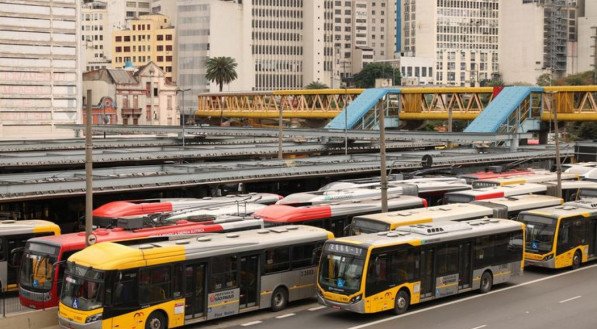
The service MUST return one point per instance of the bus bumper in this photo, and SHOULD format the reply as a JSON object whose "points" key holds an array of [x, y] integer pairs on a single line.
{"points": [[69, 324], [540, 263], [358, 307]]}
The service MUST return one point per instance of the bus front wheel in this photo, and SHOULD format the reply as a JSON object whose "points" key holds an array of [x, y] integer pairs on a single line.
{"points": [[486, 282], [279, 299], [576, 260], [402, 302], [156, 320]]}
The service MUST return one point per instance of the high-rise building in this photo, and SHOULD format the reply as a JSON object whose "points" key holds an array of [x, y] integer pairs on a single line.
{"points": [[462, 37], [542, 48], [147, 38], [96, 38], [587, 38], [364, 31], [40, 77]]}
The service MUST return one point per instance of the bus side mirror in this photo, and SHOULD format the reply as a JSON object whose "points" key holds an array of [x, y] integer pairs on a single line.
{"points": [[16, 256]]}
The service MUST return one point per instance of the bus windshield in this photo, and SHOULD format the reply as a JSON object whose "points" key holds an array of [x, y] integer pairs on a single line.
{"points": [[341, 272], [362, 225], [539, 233], [458, 198], [37, 267], [83, 288]]}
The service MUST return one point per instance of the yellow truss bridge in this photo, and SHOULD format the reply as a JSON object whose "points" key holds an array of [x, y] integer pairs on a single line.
{"points": [[573, 103]]}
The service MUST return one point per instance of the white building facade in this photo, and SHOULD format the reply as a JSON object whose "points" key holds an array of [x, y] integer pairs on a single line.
{"points": [[462, 36], [587, 38], [40, 75]]}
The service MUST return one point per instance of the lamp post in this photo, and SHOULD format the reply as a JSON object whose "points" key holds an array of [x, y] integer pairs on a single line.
{"points": [[182, 113]]}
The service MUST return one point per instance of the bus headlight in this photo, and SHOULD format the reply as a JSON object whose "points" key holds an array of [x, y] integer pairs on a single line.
{"points": [[548, 257], [93, 318], [356, 299]]}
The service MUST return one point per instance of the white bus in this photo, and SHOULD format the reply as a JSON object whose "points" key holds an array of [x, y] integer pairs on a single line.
{"points": [[493, 192], [523, 179]]}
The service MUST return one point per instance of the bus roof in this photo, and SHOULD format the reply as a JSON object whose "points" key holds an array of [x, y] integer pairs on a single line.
{"points": [[530, 178], [12, 227], [583, 208], [501, 191], [108, 256], [421, 215], [523, 202], [432, 232], [289, 214], [77, 240], [491, 174]]}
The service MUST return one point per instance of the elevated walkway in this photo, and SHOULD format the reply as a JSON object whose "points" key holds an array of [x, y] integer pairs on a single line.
{"points": [[356, 111], [500, 109]]}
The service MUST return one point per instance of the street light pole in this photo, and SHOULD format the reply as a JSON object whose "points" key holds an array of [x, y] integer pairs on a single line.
{"points": [[382, 154], [182, 113]]}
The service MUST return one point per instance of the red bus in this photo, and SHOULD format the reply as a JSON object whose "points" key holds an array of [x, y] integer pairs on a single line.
{"points": [[42, 266], [107, 214], [334, 217]]}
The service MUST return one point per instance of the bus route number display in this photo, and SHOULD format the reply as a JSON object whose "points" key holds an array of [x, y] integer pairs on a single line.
{"points": [[344, 249]]}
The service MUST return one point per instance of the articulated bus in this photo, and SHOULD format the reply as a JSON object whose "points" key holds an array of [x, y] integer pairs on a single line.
{"points": [[536, 178], [508, 207], [335, 217], [432, 189], [107, 214], [13, 236], [562, 236], [376, 272], [175, 283], [39, 286]]}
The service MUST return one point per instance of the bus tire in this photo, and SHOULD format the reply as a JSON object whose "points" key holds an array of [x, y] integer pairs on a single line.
{"points": [[402, 302], [486, 282], [576, 259], [156, 320], [279, 299]]}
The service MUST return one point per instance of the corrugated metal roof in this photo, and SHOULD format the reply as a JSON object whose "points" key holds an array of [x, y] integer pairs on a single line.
{"points": [[122, 77]]}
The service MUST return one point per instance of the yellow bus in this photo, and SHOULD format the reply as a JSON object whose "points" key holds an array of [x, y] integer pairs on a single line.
{"points": [[391, 270], [174, 283], [562, 236], [13, 236]]}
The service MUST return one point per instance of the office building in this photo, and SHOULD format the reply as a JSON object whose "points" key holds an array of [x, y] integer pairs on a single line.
{"points": [[462, 37], [96, 37]]}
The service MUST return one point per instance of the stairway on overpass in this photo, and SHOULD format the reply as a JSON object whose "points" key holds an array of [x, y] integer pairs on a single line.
{"points": [[504, 106], [358, 113]]}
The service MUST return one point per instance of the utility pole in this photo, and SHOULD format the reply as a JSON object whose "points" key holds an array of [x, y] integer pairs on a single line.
{"points": [[280, 134], [88, 172], [151, 97], [382, 153], [594, 37]]}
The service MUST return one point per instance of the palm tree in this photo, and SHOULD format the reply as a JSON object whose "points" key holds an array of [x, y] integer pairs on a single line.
{"points": [[221, 70]]}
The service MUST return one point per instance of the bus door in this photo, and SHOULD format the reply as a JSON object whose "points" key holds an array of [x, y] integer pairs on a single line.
{"points": [[446, 270], [249, 273], [464, 271], [194, 290], [427, 273]]}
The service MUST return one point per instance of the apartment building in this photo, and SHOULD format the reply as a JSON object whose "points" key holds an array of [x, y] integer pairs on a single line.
{"points": [[96, 38], [147, 38], [39, 68], [587, 38]]}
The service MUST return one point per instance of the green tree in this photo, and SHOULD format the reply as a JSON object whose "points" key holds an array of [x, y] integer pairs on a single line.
{"points": [[495, 81], [221, 70], [545, 80], [366, 78], [316, 85]]}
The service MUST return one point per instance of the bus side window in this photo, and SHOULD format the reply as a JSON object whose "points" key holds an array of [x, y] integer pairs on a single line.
{"points": [[302, 256], [125, 289], [224, 272], [154, 284], [277, 260]]}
